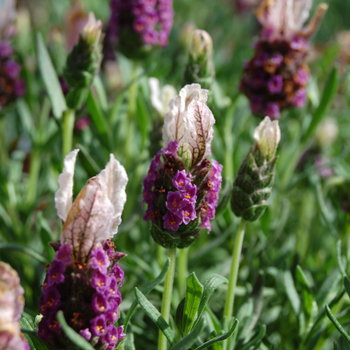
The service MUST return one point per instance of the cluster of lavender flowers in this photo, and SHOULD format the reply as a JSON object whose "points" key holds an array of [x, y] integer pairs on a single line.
{"points": [[83, 280], [138, 23], [11, 308], [88, 294], [11, 85], [276, 77], [176, 197], [182, 186]]}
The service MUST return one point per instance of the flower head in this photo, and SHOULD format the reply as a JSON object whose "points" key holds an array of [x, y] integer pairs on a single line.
{"points": [[276, 77], [11, 308], [183, 185]]}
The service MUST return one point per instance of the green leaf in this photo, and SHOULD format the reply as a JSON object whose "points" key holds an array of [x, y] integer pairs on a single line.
{"points": [[98, 119], [326, 99], [146, 291], [179, 315], [30, 334], [190, 339], [129, 342], [72, 335], [339, 258], [307, 295], [291, 291], [337, 324], [26, 117], [194, 290], [347, 285], [220, 337], [255, 339], [46, 235], [155, 316], [50, 79], [32, 253], [143, 118], [210, 284]]}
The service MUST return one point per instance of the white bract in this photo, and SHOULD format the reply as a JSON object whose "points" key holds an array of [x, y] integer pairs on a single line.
{"points": [[287, 17], [160, 98], [268, 135], [96, 212], [190, 122]]}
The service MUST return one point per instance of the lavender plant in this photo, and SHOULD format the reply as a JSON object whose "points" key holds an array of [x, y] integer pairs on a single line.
{"points": [[182, 186], [276, 77], [84, 278]]}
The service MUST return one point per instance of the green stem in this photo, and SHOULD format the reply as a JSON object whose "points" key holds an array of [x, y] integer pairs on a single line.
{"points": [[160, 255], [131, 112], [182, 271], [67, 129], [3, 148], [34, 169], [236, 255], [167, 295]]}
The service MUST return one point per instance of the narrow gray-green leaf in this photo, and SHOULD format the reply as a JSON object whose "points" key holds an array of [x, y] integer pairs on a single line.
{"points": [[256, 339], [155, 316], [220, 337], [194, 291], [129, 342], [307, 295], [179, 315], [210, 284], [336, 323], [291, 291], [72, 335], [326, 99], [50, 79], [26, 250], [347, 285], [339, 258], [146, 291], [190, 339]]}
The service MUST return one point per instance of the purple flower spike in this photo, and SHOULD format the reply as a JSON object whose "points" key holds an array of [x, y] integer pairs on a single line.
{"points": [[275, 84], [85, 333], [98, 326], [175, 203], [5, 50], [64, 254], [112, 313], [99, 259], [300, 98], [100, 281], [12, 69], [189, 213], [172, 221], [55, 273], [272, 110], [111, 337], [99, 303], [180, 180]]}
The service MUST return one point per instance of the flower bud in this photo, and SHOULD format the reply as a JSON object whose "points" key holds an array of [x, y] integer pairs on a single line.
{"points": [[200, 68], [255, 178], [83, 63], [268, 135], [84, 279], [11, 308]]}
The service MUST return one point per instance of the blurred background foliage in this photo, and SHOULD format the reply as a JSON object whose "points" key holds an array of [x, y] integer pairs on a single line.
{"points": [[301, 226]]}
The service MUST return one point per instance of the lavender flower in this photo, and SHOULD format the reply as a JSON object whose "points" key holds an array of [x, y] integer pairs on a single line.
{"points": [[136, 26], [11, 308], [276, 77], [182, 186], [11, 85], [84, 279]]}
